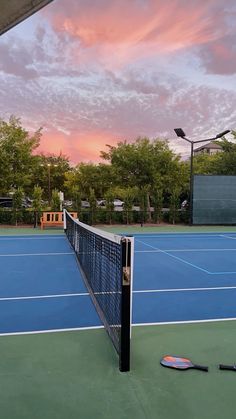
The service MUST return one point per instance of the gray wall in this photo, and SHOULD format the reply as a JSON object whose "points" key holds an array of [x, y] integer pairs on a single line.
{"points": [[214, 199]]}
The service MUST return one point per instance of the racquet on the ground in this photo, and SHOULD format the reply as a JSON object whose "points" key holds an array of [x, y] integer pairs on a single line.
{"points": [[179, 363], [227, 367]]}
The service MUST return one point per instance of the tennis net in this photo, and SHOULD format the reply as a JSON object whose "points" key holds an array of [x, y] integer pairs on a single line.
{"points": [[106, 264]]}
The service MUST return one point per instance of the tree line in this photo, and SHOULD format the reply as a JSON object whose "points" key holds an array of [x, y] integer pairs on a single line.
{"points": [[145, 172]]}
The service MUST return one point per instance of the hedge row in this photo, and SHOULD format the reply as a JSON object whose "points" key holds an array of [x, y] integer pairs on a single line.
{"points": [[99, 216]]}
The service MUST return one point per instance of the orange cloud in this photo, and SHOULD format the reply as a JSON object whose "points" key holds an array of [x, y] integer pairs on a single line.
{"points": [[120, 31], [78, 147]]}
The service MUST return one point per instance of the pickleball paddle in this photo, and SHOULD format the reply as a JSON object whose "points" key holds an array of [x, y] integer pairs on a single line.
{"points": [[227, 367], [179, 363]]}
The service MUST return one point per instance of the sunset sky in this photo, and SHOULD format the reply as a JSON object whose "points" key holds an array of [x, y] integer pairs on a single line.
{"points": [[95, 72]]}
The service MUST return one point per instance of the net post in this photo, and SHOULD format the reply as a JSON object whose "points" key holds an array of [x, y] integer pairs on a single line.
{"points": [[125, 305], [64, 219]]}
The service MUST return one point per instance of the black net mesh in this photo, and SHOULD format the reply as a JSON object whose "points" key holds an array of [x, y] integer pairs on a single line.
{"points": [[100, 258]]}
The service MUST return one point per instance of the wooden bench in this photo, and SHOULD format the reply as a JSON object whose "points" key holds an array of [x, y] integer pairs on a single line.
{"points": [[54, 219]]}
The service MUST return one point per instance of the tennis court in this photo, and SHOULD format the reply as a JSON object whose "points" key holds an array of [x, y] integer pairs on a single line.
{"points": [[178, 278]]}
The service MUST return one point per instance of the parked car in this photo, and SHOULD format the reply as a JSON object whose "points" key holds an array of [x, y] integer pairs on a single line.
{"points": [[101, 203], [85, 204], [185, 204], [68, 203], [118, 203], [6, 202]]}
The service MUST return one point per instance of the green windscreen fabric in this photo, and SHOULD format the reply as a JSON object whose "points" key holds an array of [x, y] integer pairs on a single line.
{"points": [[214, 199]]}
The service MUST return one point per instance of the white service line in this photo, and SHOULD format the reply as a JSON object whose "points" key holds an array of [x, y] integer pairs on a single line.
{"points": [[183, 250], [74, 329], [175, 257], [184, 289], [82, 294], [38, 297], [227, 237], [36, 254], [185, 322], [39, 332], [36, 237]]}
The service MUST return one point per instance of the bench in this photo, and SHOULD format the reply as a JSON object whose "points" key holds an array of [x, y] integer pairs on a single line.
{"points": [[54, 219]]}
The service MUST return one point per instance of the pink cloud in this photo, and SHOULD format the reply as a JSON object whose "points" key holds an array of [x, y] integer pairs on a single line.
{"points": [[117, 31], [78, 147], [111, 70], [220, 57]]}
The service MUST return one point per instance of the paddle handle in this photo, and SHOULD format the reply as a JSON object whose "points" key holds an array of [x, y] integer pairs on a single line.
{"points": [[200, 367], [227, 367]]}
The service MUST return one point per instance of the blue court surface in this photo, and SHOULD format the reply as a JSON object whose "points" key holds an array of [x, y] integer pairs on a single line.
{"points": [[177, 278]]}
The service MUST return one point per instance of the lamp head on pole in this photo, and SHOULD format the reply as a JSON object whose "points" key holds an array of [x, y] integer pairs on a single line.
{"points": [[222, 133], [179, 132]]}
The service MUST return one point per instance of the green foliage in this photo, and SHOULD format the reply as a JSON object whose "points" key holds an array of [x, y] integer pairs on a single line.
{"points": [[16, 155], [144, 172], [136, 164], [157, 199], [37, 202], [86, 176], [37, 198], [109, 197], [128, 195], [93, 204], [151, 167], [50, 173], [18, 198], [55, 201], [24, 216], [17, 204], [174, 204], [221, 163], [76, 199]]}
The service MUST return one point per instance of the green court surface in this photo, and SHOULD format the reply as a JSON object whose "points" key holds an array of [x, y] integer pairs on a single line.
{"points": [[16, 231], [177, 228], [129, 229], [75, 375]]}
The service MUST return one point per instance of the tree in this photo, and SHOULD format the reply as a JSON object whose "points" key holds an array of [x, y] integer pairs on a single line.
{"points": [[145, 164], [128, 195], [37, 202], [86, 176], [16, 155], [109, 197], [50, 172], [17, 203], [176, 183], [55, 202], [76, 199], [93, 204], [157, 196], [221, 163]]}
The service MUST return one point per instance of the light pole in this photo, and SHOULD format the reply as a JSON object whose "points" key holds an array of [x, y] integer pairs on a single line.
{"points": [[180, 133]]}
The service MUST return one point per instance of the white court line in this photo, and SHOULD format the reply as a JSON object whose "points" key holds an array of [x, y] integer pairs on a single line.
{"points": [[37, 332], [74, 329], [175, 257], [38, 297], [227, 237], [36, 237], [183, 250], [180, 235], [36, 254], [82, 294], [184, 289], [185, 322]]}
